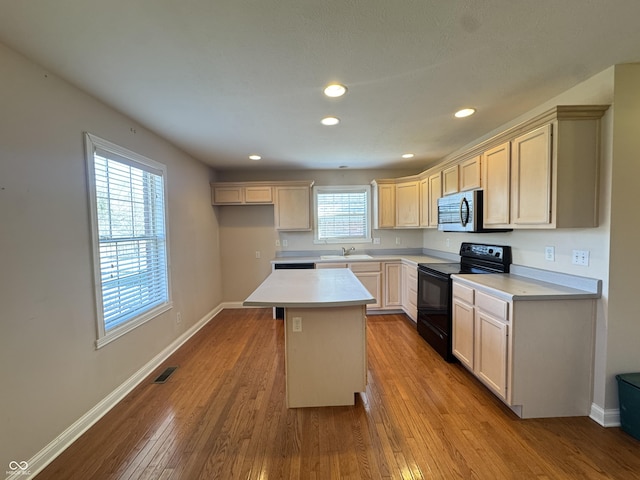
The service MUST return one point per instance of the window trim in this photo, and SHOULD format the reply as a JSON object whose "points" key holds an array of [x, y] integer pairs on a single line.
{"points": [[121, 154], [317, 189]]}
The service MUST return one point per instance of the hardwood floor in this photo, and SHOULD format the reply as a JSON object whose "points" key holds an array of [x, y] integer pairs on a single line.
{"points": [[222, 415]]}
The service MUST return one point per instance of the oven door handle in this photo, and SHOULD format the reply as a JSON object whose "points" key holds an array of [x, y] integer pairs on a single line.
{"points": [[464, 211], [434, 330]]}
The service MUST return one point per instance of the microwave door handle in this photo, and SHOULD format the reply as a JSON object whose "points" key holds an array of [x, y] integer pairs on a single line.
{"points": [[464, 212]]}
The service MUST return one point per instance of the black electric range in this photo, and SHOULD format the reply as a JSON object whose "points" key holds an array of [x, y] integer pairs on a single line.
{"points": [[434, 290]]}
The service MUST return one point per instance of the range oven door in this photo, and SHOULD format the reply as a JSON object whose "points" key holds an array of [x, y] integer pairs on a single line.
{"points": [[434, 311]]}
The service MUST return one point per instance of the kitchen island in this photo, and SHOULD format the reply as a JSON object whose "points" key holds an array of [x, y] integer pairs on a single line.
{"points": [[325, 333]]}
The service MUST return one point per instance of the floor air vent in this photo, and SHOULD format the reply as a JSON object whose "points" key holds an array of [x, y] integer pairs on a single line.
{"points": [[164, 376]]}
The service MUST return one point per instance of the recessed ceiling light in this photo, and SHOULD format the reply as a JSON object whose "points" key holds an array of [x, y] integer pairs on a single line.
{"points": [[408, 155], [465, 112], [330, 121], [255, 157], [335, 90]]}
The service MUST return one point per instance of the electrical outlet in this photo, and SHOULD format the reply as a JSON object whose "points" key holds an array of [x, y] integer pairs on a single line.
{"points": [[376, 240], [398, 241], [278, 242], [447, 242], [178, 318], [580, 257], [297, 324], [285, 243], [550, 254], [258, 254]]}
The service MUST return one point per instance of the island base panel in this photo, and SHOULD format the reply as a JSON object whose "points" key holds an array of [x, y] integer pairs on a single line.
{"points": [[326, 362]]}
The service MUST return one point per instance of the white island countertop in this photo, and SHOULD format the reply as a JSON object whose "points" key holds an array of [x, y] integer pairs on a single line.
{"points": [[333, 287]]}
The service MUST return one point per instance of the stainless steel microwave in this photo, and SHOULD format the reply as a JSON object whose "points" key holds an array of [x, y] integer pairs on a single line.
{"points": [[462, 212]]}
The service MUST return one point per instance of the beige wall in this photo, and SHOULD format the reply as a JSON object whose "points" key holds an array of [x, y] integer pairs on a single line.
{"points": [[623, 332], [51, 372]]}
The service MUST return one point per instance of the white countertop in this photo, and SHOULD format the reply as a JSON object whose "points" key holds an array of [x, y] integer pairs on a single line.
{"points": [[516, 287], [410, 258], [331, 287]]}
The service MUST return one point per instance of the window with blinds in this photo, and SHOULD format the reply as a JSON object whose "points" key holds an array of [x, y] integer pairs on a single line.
{"points": [[342, 214], [127, 195]]}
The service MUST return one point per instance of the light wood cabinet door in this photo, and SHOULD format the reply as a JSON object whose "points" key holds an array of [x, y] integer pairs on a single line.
{"points": [[385, 205], [491, 352], [435, 192], [231, 195], [463, 332], [407, 204], [392, 284], [531, 178], [496, 168], [372, 281], [470, 174], [258, 194], [293, 208], [450, 180]]}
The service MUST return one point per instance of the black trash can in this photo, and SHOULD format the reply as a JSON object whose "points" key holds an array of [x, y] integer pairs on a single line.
{"points": [[629, 395]]}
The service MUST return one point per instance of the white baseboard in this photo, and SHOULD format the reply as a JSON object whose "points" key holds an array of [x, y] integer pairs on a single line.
{"points": [[606, 418], [45, 456]]}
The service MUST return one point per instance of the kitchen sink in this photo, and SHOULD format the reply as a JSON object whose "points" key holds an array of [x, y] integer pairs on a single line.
{"points": [[345, 257]]}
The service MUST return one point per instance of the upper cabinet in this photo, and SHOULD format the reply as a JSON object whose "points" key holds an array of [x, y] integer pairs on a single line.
{"points": [[291, 200], [496, 168], [384, 204], [293, 207], [407, 204], [531, 174], [470, 173], [450, 180], [240, 193]]}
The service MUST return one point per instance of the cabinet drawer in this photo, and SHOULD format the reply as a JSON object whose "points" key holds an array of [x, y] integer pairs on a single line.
{"points": [[331, 265], [365, 267], [463, 292], [492, 305]]}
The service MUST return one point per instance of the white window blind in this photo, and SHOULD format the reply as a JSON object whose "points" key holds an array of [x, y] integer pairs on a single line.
{"points": [[130, 241], [342, 214]]}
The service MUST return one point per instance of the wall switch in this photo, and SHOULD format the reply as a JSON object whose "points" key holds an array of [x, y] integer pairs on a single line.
{"points": [[257, 254], [376, 240], [278, 242], [580, 257], [297, 324], [550, 254]]}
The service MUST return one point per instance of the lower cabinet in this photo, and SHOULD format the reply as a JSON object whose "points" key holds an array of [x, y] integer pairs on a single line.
{"points": [[393, 284], [534, 354], [480, 331], [370, 275], [410, 291]]}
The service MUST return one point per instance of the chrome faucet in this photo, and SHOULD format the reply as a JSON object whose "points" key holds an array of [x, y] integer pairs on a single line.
{"points": [[346, 252]]}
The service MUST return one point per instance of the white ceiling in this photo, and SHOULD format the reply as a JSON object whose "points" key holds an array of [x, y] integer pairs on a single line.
{"points": [[223, 79]]}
